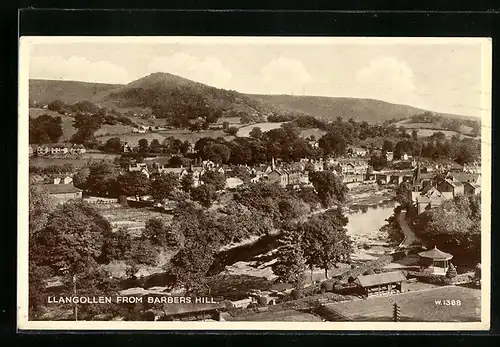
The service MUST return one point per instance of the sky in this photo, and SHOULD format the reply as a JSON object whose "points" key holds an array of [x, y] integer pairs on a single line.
{"points": [[438, 75]]}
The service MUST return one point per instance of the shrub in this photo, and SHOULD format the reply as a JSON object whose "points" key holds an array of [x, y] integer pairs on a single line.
{"points": [[122, 200], [327, 286], [296, 294], [369, 272], [262, 301], [451, 272], [477, 271]]}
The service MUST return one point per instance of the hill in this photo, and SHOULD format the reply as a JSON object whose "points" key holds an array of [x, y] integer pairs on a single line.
{"points": [[45, 91], [329, 108], [164, 89], [187, 98]]}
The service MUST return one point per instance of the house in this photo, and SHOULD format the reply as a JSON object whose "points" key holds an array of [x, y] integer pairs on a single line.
{"points": [[313, 143], [472, 188], [382, 283], [62, 192], [42, 150], [77, 149], [464, 177], [139, 167], [278, 176], [358, 151], [396, 179], [62, 180], [389, 156], [30, 150], [429, 197], [450, 188], [58, 149], [405, 156]]}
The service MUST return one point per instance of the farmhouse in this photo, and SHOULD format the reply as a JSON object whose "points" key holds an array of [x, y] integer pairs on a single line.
{"points": [[63, 192], [383, 283]]}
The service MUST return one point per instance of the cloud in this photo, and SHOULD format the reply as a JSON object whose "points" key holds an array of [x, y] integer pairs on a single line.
{"points": [[388, 79], [284, 76], [76, 68], [208, 70]]}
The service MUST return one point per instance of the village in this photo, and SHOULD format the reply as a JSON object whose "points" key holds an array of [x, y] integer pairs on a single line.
{"points": [[431, 186]]}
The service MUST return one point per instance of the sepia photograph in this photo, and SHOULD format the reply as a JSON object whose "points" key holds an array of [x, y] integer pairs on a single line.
{"points": [[254, 183]]}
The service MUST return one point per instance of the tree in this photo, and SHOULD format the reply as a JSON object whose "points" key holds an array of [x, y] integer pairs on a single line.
{"points": [[102, 178], [403, 195], [113, 145], [155, 231], [155, 146], [133, 183], [388, 146], [187, 182], [205, 194], [325, 240], [143, 145], [290, 264], [214, 178], [218, 153], [163, 186], [333, 143], [328, 186], [378, 161], [56, 106], [256, 133], [454, 227], [40, 204], [232, 131], [225, 126], [80, 178], [45, 129]]}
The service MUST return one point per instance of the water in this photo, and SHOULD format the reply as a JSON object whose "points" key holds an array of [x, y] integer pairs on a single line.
{"points": [[364, 229]]}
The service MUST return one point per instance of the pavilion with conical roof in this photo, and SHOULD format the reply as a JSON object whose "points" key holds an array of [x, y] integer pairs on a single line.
{"points": [[435, 261]]}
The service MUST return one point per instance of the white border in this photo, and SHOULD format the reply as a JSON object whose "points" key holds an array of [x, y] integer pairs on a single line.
{"points": [[23, 207]]}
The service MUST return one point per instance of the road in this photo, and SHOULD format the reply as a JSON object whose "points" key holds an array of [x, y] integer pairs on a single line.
{"points": [[410, 236]]}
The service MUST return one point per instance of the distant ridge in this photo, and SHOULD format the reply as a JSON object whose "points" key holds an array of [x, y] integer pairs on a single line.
{"points": [[145, 91]]}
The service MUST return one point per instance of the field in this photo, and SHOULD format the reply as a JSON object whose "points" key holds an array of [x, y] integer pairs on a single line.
{"points": [[417, 306], [318, 133], [69, 130], [79, 161], [245, 131], [427, 129]]}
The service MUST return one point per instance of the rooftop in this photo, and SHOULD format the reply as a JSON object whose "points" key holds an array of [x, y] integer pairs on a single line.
{"points": [[60, 188], [435, 254], [379, 279]]}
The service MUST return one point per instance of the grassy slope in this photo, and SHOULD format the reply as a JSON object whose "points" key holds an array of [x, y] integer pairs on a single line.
{"points": [[45, 91], [328, 108], [417, 306]]}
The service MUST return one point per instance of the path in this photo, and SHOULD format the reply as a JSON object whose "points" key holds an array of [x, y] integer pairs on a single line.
{"points": [[410, 236]]}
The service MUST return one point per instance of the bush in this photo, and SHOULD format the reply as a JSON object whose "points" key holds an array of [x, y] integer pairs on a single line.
{"points": [[327, 286], [369, 272], [296, 294], [262, 301], [451, 272], [122, 200]]}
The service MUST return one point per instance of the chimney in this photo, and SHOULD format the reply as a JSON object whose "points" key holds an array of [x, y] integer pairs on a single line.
{"points": [[272, 164]]}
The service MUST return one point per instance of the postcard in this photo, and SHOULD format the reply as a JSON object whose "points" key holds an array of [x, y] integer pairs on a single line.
{"points": [[254, 183]]}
